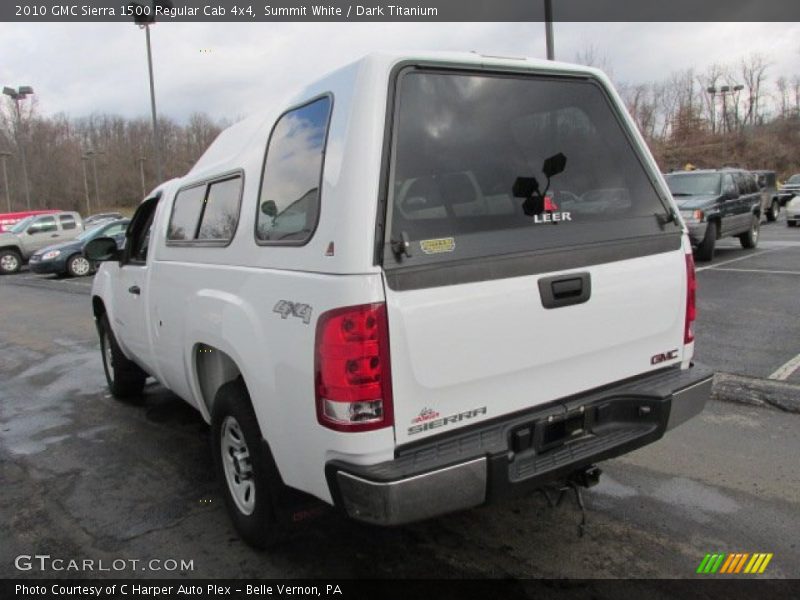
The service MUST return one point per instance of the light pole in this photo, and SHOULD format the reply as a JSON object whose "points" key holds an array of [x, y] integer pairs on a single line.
{"points": [[144, 21], [17, 95], [141, 160], [548, 28], [712, 91], [92, 155], [724, 91], [4, 156], [84, 159]]}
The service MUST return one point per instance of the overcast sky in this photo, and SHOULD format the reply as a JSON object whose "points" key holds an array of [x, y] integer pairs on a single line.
{"points": [[233, 69]]}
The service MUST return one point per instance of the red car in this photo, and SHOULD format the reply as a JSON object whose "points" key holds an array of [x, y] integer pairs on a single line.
{"points": [[9, 219]]}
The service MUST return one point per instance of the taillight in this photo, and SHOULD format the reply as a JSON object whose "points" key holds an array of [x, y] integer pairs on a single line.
{"points": [[352, 370], [691, 302]]}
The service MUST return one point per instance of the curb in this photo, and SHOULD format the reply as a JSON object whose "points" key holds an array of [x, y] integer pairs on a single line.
{"points": [[753, 391]]}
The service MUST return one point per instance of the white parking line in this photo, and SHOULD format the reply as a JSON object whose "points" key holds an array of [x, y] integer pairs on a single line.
{"points": [[761, 271], [733, 260], [784, 372]]}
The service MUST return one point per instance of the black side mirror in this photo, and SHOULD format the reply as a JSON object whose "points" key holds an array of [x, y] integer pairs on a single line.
{"points": [[102, 249], [554, 165], [269, 208]]}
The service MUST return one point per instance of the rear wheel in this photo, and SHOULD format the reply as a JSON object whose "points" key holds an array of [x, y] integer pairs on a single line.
{"points": [[774, 211], [124, 377], [78, 266], [791, 223], [245, 465], [750, 239], [705, 249], [10, 261]]}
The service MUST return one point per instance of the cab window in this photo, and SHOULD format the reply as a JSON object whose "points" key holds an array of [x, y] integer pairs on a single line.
{"points": [[43, 225]]}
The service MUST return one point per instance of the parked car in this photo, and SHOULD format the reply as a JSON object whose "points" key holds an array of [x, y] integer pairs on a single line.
{"points": [[793, 211], [789, 190], [34, 233], [7, 220], [67, 258], [716, 204], [378, 302], [108, 216], [768, 184]]}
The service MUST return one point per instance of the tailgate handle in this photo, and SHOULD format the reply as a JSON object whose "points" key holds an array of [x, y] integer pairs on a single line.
{"points": [[562, 290]]}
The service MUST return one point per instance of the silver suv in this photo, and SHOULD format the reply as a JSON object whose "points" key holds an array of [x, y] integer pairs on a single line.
{"points": [[34, 233]]}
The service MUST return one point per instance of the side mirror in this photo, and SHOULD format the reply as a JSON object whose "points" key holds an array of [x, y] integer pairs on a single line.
{"points": [[32, 229], [269, 208], [102, 249], [554, 165]]}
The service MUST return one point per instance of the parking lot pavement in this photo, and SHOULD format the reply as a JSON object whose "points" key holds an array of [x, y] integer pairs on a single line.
{"points": [[749, 307], [88, 477]]}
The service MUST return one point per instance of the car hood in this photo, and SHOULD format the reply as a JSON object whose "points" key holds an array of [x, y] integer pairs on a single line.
{"points": [[693, 202], [70, 245]]}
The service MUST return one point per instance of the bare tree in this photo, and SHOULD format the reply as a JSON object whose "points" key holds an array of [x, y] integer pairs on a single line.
{"points": [[753, 72]]}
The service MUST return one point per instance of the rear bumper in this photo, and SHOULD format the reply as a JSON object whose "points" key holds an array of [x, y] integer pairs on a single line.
{"points": [[519, 452]]}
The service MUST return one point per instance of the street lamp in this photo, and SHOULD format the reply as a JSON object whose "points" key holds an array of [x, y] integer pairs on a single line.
{"points": [[548, 28], [144, 18], [92, 155], [17, 95], [84, 160], [5, 156], [141, 160], [724, 91]]}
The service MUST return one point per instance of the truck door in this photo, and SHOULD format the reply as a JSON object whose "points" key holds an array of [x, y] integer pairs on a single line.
{"points": [[42, 232], [131, 317]]}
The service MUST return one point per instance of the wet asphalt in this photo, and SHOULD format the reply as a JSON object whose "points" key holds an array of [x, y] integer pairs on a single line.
{"points": [[85, 476]]}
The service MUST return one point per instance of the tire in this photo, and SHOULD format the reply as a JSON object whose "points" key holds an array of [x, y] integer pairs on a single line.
{"points": [[250, 480], [791, 223], [124, 377], [750, 239], [78, 266], [10, 261], [774, 211], [705, 249]]}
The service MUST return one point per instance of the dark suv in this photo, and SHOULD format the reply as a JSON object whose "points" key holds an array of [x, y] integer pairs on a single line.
{"points": [[717, 203]]}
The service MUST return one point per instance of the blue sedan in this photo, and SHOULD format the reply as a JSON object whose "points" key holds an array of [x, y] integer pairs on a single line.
{"points": [[67, 258]]}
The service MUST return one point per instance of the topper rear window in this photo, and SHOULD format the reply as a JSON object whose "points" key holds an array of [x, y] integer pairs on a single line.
{"points": [[466, 148]]}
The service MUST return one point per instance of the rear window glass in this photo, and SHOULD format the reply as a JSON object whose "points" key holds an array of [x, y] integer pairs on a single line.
{"points": [[289, 202], [67, 222], [186, 213], [466, 148]]}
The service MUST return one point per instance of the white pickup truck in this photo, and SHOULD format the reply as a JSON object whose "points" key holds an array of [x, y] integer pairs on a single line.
{"points": [[419, 284]]}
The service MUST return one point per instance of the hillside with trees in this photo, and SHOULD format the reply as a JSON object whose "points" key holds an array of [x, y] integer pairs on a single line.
{"points": [[737, 114]]}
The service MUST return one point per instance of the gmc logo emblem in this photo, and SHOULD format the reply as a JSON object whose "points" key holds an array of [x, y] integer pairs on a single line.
{"points": [[663, 356]]}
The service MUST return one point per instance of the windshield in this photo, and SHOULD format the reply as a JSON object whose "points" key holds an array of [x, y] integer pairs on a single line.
{"points": [[694, 184], [469, 158], [89, 233], [794, 179], [22, 225]]}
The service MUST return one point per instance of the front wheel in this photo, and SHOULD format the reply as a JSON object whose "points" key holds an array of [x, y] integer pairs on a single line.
{"points": [[78, 266], [750, 239], [705, 249], [245, 465], [10, 261], [124, 377], [774, 211]]}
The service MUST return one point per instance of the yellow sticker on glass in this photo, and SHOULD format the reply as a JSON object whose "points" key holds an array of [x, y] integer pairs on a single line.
{"points": [[438, 246]]}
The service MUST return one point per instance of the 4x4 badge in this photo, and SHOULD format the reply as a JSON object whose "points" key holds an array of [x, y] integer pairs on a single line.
{"points": [[302, 311]]}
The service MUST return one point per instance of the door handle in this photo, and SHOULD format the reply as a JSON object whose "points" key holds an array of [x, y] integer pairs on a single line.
{"points": [[565, 290], [134, 289], [53, 235]]}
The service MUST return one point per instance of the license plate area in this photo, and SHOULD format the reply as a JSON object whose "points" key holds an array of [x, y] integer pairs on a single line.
{"points": [[550, 433]]}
